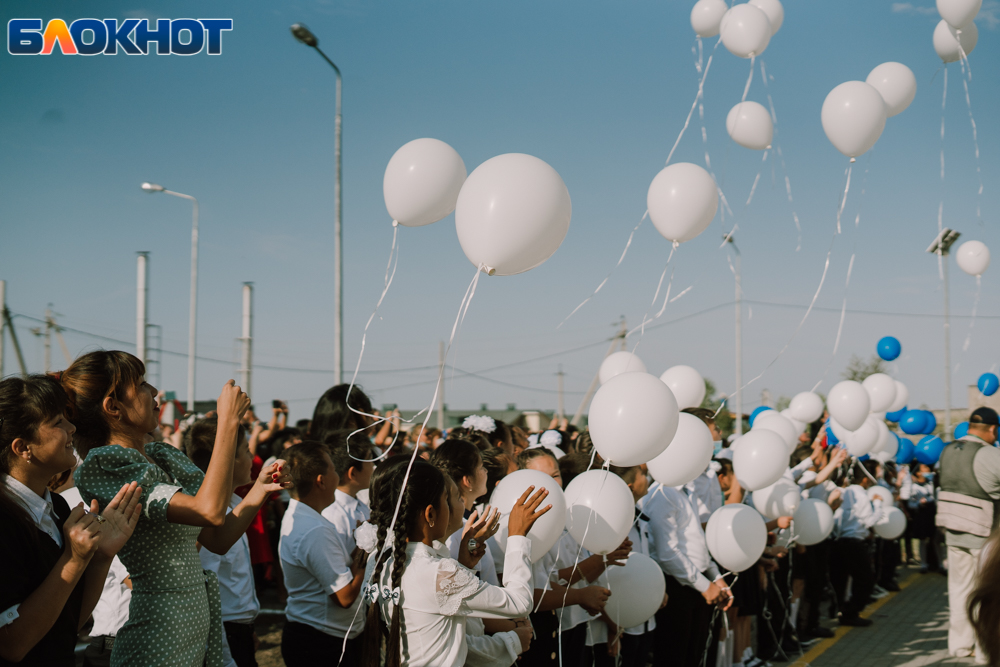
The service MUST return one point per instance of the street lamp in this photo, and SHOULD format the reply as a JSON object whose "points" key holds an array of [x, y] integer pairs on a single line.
{"points": [[302, 34], [940, 246], [728, 238], [193, 316]]}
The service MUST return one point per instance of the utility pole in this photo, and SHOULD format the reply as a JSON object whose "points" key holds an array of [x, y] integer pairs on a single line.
{"points": [[48, 338], [617, 341], [13, 339], [247, 338], [141, 312], [941, 246], [738, 403], [440, 406], [62, 341], [562, 407]]}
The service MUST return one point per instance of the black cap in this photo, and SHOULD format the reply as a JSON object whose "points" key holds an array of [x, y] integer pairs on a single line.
{"points": [[987, 416]]}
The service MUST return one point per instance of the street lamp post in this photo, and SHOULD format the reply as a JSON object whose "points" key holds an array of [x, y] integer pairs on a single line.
{"points": [[302, 33], [193, 315], [940, 247], [738, 427]]}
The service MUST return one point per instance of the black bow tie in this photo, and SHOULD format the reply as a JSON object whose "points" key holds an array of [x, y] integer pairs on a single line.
{"points": [[640, 515]]}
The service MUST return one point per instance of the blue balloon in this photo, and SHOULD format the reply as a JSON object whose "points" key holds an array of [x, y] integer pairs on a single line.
{"points": [[757, 411], [930, 422], [905, 452], [895, 416], [889, 348], [961, 430], [912, 422], [988, 384], [831, 439], [864, 458], [928, 449]]}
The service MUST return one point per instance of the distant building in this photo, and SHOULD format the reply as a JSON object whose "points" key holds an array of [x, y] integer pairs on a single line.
{"points": [[530, 420]]}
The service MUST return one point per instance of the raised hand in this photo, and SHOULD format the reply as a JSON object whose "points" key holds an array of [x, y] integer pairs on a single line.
{"points": [[120, 518], [620, 555], [480, 529], [275, 477], [232, 404], [523, 516], [81, 534]]}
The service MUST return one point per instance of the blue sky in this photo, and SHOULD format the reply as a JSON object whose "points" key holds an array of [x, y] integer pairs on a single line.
{"points": [[598, 90]]}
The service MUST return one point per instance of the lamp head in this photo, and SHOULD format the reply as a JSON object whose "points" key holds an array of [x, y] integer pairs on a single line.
{"points": [[302, 33], [152, 187]]}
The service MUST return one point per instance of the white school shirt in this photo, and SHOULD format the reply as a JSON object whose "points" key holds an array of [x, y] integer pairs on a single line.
{"points": [[677, 541], [858, 513], [239, 599], [111, 611], [564, 554], [817, 491], [345, 512], [705, 493], [437, 593], [485, 569], [315, 567]]}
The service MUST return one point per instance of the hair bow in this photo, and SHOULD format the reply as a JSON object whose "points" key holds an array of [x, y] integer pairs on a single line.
{"points": [[390, 594], [366, 536], [370, 592], [480, 423]]}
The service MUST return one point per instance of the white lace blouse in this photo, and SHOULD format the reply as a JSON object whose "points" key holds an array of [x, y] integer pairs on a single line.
{"points": [[437, 593]]}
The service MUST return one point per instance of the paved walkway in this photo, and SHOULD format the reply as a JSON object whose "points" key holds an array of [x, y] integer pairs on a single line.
{"points": [[910, 630]]}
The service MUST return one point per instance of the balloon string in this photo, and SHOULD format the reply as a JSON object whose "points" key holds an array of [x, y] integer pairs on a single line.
{"points": [[746, 88], [628, 244], [756, 180], [701, 91], [975, 136], [843, 200], [975, 306], [940, 220], [656, 295], [840, 327]]}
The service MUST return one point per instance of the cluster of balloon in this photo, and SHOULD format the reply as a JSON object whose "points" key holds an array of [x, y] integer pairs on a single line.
{"points": [[917, 422], [973, 257], [682, 200], [888, 348], [928, 449], [956, 33], [780, 499], [637, 591], [776, 422], [849, 404], [988, 384], [548, 529], [633, 418], [599, 510], [756, 413], [906, 451], [813, 522], [512, 214], [736, 537], [854, 113]]}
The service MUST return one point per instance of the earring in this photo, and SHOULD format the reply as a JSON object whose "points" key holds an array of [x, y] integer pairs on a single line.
{"points": [[432, 524]]}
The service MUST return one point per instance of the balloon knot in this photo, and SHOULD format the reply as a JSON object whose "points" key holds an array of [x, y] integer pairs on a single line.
{"points": [[395, 223], [488, 270], [676, 244], [853, 160]]}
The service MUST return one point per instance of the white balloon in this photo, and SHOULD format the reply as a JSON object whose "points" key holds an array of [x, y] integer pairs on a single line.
{"points": [[637, 590], [682, 200], [863, 440], [973, 257], [687, 385], [760, 460], [849, 404], [706, 15], [422, 182], [775, 12], [853, 117], [780, 499], [618, 363], [736, 537], [959, 13], [688, 454], [839, 432], [949, 43], [749, 124], [897, 85], [771, 420], [633, 418], [745, 30], [800, 426], [512, 213], [881, 391], [902, 398], [892, 524], [885, 439], [806, 407], [813, 522], [599, 510], [883, 494], [549, 527]]}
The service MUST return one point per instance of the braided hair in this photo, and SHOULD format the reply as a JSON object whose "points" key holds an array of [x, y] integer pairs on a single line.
{"points": [[425, 487]]}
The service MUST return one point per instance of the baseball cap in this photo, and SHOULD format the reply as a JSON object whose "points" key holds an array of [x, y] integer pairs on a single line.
{"points": [[987, 416]]}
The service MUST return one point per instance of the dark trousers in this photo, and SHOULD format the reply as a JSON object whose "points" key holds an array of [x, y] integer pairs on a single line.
{"points": [[852, 558], [96, 654], [239, 636], [888, 559], [305, 646], [635, 649], [772, 625], [817, 558], [545, 646], [683, 629], [574, 643]]}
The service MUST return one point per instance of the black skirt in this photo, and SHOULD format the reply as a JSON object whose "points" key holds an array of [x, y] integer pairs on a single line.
{"points": [[923, 520]]}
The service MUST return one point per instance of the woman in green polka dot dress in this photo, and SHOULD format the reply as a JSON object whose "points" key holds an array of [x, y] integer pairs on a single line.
{"points": [[175, 613]]}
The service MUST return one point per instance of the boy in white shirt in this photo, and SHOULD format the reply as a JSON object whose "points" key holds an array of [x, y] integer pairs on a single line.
{"points": [[852, 550], [323, 573]]}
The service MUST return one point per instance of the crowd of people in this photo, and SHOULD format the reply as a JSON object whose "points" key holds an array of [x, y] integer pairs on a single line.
{"points": [[379, 538]]}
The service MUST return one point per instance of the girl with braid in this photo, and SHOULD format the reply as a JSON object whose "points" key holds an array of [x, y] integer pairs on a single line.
{"points": [[423, 596]]}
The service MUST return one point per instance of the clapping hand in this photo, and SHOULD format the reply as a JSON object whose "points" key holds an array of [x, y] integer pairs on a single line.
{"points": [[120, 518]]}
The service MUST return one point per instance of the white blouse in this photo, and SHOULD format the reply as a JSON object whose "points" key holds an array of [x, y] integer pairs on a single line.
{"points": [[437, 593]]}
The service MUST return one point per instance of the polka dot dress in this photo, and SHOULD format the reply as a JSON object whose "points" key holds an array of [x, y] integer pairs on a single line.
{"points": [[175, 613]]}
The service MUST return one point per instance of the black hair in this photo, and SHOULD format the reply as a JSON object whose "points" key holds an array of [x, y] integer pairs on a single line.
{"points": [[425, 487], [199, 441], [627, 473], [305, 464], [274, 445], [704, 414], [332, 412], [527, 455], [502, 435], [496, 462], [90, 379], [726, 465], [584, 444], [343, 461], [25, 404], [572, 465], [457, 458], [478, 438]]}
